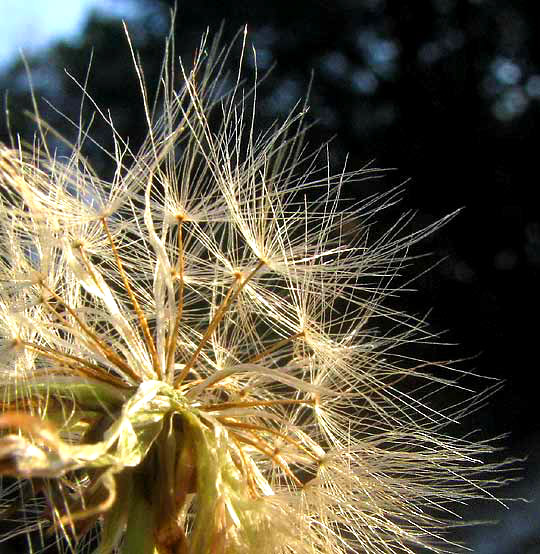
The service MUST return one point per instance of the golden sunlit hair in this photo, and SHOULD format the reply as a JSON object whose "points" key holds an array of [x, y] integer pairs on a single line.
{"points": [[189, 356]]}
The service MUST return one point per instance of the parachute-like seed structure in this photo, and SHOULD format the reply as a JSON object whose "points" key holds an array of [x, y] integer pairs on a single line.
{"points": [[190, 361]]}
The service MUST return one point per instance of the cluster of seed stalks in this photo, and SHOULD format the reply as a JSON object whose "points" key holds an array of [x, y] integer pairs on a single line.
{"points": [[190, 360]]}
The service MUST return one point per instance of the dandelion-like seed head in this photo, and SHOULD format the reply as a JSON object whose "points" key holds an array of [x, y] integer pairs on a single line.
{"points": [[190, 361]]}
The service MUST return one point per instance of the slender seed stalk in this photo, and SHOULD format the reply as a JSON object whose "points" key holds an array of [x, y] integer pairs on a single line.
{"points": [[142, 319], [279, 344], [103, 347], [171, 347], [230, 297]]}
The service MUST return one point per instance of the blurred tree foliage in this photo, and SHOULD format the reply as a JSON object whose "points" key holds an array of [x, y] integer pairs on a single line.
{"points": [[389, 77]]}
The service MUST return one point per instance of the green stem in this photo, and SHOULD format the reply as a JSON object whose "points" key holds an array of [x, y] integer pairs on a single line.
{"points": [[139, 537]]}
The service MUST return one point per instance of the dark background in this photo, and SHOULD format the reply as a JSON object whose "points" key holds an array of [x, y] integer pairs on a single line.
{"points": [[448, 93]]}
